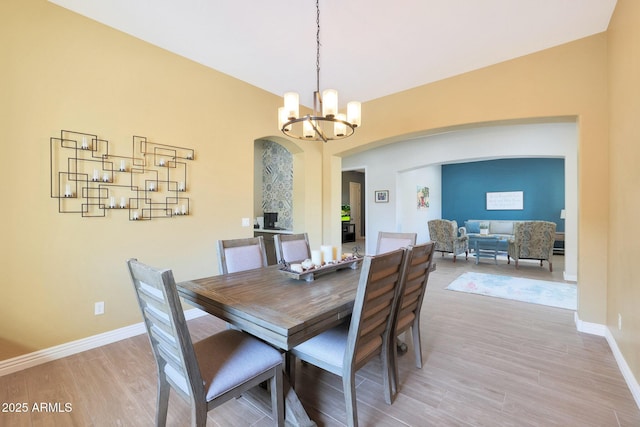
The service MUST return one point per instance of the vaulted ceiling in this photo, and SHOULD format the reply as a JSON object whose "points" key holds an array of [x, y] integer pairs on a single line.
{"points": [[369, 48]]}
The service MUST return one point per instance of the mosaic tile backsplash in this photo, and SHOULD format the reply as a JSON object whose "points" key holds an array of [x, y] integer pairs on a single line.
{"points": [[277, 183]]}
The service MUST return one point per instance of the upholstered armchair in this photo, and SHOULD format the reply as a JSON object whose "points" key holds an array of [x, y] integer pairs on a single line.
{"points": [[445, 235], [532, 240]]}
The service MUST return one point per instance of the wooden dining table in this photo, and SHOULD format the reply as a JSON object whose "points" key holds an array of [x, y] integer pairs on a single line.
{"points": [[278, 309]]}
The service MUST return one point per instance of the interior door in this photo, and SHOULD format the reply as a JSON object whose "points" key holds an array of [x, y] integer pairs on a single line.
{"points": [[355, 195]]}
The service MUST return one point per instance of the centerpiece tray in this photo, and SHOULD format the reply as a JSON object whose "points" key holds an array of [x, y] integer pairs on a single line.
{"points": [[311, 274]]}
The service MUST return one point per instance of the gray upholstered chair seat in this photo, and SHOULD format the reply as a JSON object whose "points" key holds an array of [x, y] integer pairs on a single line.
{"points": [[239, 358], [327, 348]]}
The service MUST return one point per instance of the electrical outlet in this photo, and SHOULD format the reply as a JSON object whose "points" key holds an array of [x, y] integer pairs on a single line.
{"points": [[99, 308], [246, 222], [619, 321]]}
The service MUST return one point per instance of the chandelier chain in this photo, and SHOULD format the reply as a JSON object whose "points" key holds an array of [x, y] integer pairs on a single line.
{"points": [[318, 46]]}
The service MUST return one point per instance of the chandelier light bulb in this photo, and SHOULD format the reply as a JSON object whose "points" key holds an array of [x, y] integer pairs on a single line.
{"points": [[291, 105], [354, 115], [339, 128], [307, 129], [329, 103]]}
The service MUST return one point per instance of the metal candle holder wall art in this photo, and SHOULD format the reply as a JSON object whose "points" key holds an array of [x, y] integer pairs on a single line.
{"points": [[87, 179]]}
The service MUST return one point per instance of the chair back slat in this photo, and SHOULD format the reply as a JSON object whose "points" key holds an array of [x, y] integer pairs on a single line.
{"points": [[166, 327], [419, 259], [376, 298]]}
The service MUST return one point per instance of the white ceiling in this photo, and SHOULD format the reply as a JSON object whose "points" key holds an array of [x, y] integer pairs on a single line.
{"points": [[370, 48]]}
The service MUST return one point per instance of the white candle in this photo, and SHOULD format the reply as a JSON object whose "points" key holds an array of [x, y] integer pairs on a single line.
{"points": [[327, 253], [112, 202], [152, 186], [105, 177], [67, 190], [135, 215], [123, 166], [95, 174], [161, 162], [123, 203], [184, 210], [337, 253], [84, 143], [316, 258], [181, 186], [177, 212]]}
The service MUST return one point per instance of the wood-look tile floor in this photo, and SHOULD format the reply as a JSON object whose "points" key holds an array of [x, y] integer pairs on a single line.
{"points": [[487, 362]]}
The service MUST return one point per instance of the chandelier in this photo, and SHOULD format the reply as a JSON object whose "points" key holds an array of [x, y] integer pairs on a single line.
{"points": [[325, 123]]}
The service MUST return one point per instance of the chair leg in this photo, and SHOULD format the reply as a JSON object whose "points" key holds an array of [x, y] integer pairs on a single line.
{"points": [[388, 371], [162, 401], [277, 397], [290, 368], [550, 266], [417, 344], [198, 414], [454, 257], [349, 386]]}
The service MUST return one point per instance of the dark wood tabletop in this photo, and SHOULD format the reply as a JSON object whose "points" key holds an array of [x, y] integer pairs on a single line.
{"points": [[269, 305]]}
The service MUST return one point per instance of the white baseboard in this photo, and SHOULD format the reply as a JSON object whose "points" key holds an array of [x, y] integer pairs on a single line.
{"points": [[63, 350], [603, 331], [631, 380], [589, 328]]}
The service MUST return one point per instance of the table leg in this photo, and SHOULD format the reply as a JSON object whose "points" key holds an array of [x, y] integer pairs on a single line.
{"points": [[295, 414]]}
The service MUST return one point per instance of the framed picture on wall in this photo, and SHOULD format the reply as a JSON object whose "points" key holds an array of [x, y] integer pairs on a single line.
{"points": [[505, 200], [422, 195], [382, 196]]}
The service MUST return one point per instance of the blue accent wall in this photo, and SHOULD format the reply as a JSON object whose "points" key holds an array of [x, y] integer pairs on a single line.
{"points": [[464, 188]]}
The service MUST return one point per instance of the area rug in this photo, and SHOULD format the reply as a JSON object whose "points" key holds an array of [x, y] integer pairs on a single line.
{"points": [[554, 294]]}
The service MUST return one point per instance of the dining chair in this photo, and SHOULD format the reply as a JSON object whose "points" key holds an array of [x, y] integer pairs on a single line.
{"points": [[292, 247], [241, 254], [419, 259], [389, 241], [206, 373], [348, 347]]}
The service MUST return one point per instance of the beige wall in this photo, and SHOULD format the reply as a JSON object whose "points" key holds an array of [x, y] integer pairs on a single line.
{"points": [[623, 293], [62, 71]]}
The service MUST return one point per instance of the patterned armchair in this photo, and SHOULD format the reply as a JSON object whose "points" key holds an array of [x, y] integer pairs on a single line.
{"points": [[445, 235], [532, 240]]}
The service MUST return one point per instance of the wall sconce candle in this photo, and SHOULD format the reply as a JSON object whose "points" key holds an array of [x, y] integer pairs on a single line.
{"points": [[184, 210], [95, 174], [112, 202], [123, 203], [135, 215], [84, 143], [161, 162], [123, 166], [152, 186], [181, 186], [177, 211], [105, 177], [67, 190]]}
